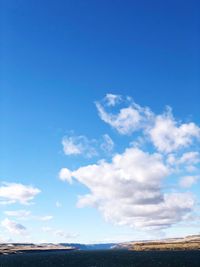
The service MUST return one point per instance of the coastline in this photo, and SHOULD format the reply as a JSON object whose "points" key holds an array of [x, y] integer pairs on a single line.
{"points": [[19, 249], [187, 243]]}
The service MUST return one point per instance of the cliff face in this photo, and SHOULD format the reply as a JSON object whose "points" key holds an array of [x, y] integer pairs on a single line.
{"points": [[186, 243]]}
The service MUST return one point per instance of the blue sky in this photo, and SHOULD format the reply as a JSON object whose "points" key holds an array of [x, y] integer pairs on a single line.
{"points": [[68, 70]]}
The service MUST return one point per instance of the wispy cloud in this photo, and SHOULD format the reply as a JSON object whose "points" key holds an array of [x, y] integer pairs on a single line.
{"points": [[59, 233], [22, 214], [63, 234], [187, 158], [16, 192], [77, 145], [107, 144], [45, 218], [112, 99], [27, 215], [128, 119], [188, 181], [81, 145], [13, 227]]}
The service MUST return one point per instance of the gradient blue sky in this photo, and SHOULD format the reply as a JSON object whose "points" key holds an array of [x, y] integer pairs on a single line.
{"points": [[57, 59]]}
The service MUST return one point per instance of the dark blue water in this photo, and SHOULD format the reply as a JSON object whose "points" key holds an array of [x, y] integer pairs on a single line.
{"points": [[108, 258]]}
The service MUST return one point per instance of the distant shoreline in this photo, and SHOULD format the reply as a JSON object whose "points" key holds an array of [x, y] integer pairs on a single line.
{"points": [[6, 250], [187, 243], [176, 244], [38, 251]]}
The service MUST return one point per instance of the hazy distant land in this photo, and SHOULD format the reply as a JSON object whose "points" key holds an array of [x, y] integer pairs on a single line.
{"points": [[186, 243], [15, 248]]}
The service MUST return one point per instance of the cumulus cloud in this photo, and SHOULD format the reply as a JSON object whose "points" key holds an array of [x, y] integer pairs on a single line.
{"points": [[128, 190], [168, 136], [65, 175], [13, 227], [77, 145], [16, 192], [188, 181]]}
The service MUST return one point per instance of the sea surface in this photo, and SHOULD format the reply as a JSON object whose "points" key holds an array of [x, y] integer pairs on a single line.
{"points": [[103, 258]]}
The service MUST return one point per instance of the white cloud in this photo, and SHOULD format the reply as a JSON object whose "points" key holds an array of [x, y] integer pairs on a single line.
{"points": [[6, 202], [18, 213], [107, 144], [127, 120], [26, 214], [128, 191], [112, 100], [192, 157], [63, 234], [78, 145], [188, 181], [47, 229], [168, 136], [13, 227], [70, 147], [187, 161], [65, 175], [15, 192], [59, 233], [45, 218], [81, 145]]}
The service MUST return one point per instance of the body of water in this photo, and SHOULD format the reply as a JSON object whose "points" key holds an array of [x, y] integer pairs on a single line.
{"points": [[107, 258]]}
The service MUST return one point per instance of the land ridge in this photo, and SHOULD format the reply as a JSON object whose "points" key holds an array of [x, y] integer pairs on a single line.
{"points": [[191, 242], [16, 248]]}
